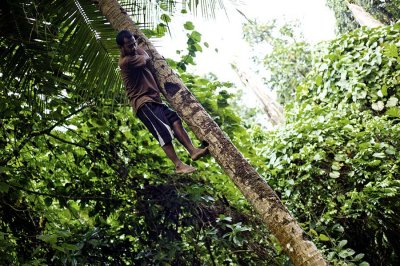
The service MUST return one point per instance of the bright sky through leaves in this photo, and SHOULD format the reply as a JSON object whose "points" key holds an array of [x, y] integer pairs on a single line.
{"points": [[225, 32]]}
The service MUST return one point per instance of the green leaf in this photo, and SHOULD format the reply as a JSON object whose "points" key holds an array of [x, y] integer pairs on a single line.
{"points": [[323, 237], [390, 50], [336, 166], [358, 257], [224, 218], [198, 47], [391, 150], [331, 255], [196, 36], [165, 18], [346, 253], [70, 247], [393, 112], [334, 174], [188, 25], [378, 106], [318, 80], [4, 187], [51, 239], [340, 157], [380, 155], [384, 90], [313, 232], [342, 243], [392, 102], [338, 228]]}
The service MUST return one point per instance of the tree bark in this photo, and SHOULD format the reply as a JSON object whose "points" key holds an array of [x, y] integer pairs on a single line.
{"points": [[271, 107], [363, 17], [292, 238]]}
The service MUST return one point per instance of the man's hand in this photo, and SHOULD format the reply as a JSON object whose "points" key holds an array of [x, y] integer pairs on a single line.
{"points": [[130, 53]]}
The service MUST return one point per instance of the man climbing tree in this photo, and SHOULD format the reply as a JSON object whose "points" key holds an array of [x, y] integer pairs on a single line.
{"points": [[144, 97], [292, 238]]}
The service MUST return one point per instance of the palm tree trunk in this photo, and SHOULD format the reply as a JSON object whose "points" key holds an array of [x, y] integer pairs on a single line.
{"points": [[363, 17], [271, 107], [291, 237]]}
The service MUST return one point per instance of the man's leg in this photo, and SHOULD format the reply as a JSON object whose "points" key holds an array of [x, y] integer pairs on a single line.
{"points": [[180, 167], [151, 116], [183, 138]]}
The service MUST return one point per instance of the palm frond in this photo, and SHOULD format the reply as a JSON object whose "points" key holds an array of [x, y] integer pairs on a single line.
{"points": [[206, 7], [49, 50], [147, 13], [66, 48]]}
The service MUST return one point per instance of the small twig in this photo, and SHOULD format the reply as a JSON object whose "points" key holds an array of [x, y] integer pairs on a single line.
{"points": [[38, 133], [65, 141], [12, 207]]}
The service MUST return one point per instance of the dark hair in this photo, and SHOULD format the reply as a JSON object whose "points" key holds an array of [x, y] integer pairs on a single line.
{"points": [[122, 35]]}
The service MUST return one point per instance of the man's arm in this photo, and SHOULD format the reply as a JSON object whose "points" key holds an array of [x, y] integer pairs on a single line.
{"points": [[134, 61], [138, 60], [141, 51]]}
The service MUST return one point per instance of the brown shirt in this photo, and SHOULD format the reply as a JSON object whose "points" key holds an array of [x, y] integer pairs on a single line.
{"points": [[139, 82]]}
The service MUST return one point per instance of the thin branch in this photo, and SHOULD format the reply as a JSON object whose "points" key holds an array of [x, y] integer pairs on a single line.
{"points": [[38, 133], [48, 130], [65, 141], [12, 207]]}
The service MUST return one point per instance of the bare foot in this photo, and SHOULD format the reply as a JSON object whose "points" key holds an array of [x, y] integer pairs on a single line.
{"points": [[198, 153], [184, 169]]}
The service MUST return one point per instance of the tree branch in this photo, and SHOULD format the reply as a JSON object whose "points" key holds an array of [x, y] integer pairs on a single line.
{"points": [[38, 133], [65, 141]]}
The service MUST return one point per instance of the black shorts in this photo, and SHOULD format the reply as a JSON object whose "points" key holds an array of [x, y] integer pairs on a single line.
{"points": [[158, 119]]}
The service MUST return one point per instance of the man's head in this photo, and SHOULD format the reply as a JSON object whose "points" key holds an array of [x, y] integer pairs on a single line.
{"points": [[126, 42]]}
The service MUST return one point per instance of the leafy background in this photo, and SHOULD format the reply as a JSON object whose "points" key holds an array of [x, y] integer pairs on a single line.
{"points": [[82, 182]]}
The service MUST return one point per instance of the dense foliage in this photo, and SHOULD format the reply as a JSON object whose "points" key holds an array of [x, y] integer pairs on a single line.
{"points": [[386, 11], [336, 162], [87, 184], [82, 181], [96, 188]]}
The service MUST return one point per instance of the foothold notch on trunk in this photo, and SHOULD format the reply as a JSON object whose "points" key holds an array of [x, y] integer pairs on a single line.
{"points": [[171, 88]]}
